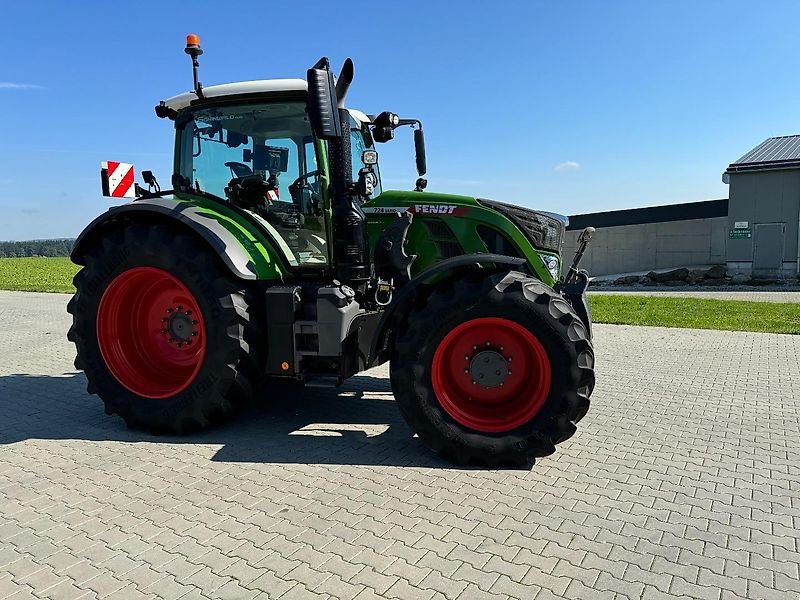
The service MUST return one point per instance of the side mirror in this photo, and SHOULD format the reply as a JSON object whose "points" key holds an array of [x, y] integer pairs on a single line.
{"points": [[419, 150], [322, 101]]}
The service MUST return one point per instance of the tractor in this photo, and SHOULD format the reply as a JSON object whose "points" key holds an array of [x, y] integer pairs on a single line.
{"points": [[277, 258]]}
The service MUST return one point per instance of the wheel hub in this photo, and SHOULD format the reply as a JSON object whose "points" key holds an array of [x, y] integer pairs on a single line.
{"points": [[489, 368], [180, 326]]}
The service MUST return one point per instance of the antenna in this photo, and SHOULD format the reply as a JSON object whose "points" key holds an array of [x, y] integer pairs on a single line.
{"points": [[194, 50]]}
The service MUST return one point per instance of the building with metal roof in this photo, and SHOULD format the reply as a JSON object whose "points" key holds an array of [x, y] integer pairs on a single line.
{"points": [[773, 153], [764, 209], [755, 232]]}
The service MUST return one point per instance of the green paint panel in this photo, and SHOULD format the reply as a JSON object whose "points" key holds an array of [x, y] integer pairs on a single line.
{"points": [[269, 261], [445, 225]]}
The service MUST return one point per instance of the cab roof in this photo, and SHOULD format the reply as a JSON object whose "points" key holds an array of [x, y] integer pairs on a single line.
{"points": [[240, 87], [259, 86]]}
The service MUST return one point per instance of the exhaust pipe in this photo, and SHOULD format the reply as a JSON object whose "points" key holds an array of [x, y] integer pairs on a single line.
{"points": [[343, 81]]}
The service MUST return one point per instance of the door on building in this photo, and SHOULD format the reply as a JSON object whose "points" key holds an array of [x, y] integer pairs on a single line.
{"points": [[768, 246]]}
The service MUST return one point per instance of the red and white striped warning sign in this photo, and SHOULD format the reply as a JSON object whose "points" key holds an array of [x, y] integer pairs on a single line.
{"points": [[120, 178]]}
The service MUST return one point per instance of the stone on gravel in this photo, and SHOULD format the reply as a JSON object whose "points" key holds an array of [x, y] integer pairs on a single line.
{"points": [[716, 272], [696, 276], [674, 275]]}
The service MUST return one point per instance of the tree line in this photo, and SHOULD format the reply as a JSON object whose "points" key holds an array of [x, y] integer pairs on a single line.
{"points": [[36, 248]]}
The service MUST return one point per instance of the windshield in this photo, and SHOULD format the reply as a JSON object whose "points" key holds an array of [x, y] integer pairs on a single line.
{"points": [[260, 157]]}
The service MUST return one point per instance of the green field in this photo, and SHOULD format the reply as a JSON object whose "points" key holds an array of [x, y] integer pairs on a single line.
{"points": [[37, 274], [55, 275]]}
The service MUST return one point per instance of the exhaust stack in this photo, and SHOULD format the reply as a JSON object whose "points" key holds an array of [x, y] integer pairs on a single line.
{"points": [[343, 81]]}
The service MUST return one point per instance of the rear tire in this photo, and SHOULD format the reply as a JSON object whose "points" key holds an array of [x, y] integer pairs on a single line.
{"points": [[168, 339], [533, 399]]}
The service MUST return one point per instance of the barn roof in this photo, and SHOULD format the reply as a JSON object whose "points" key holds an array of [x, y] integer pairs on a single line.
{"points": [[773, 153]]}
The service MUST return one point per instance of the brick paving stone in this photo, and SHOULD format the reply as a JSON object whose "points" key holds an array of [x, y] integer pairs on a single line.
{"points": [[682, 481]]}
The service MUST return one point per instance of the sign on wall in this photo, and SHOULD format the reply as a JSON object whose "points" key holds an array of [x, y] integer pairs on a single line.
{"points": [[740, 234], [741, 225]]}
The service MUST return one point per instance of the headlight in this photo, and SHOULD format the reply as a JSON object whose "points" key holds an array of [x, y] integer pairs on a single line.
{"points": [[551, 264]]}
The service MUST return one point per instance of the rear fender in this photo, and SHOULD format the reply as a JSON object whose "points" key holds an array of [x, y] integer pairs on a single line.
{"points": [[404, 299], [245, 255]]}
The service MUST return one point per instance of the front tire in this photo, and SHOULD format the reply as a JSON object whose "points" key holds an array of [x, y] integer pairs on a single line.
{"points": [[168, 339], [493, 370]]}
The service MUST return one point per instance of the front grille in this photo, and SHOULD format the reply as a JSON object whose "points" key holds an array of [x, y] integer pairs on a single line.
{"points": [[544, 231]]}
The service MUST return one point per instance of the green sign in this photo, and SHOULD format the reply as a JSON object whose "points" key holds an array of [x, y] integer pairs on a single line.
{"points": [[740, 234]]}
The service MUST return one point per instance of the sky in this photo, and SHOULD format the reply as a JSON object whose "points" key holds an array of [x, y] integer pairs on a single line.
{"points": [[571, 106]]}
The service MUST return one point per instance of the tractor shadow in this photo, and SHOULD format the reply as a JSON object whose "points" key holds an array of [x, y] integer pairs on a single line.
{"points": [[356, 424]]}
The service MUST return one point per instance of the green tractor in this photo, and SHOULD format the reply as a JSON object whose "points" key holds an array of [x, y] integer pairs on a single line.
{"points": [[276, 256]]}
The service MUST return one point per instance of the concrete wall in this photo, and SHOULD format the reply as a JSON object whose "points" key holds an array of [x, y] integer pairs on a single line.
{"points": [[645, 247], [764, 197]]}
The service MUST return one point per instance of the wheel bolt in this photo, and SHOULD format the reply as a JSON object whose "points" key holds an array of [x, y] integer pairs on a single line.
{"points": [[466, 370], [474, 382], [501, 348], [474, 347], [194, 333], [466, 358], [170, 310], [508, 359], [488, 344]]}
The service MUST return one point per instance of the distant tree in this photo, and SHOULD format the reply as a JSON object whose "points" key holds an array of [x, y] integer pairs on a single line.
{"points": [[50, 248]]}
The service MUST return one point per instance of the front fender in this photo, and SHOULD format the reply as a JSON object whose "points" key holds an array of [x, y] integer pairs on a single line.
{"points": [[246, 256], [443, 270]]}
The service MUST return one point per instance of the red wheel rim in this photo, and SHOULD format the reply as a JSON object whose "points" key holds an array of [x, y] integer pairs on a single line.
{"points": [[151, 332], [504, 401]]}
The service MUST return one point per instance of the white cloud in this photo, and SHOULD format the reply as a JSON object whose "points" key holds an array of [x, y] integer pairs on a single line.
{"points": [[567, 165], [8, 85]]}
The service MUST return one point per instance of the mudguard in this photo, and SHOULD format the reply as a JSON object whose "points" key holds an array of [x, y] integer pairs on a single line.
{"points": [[247, 257], [404, 298]]}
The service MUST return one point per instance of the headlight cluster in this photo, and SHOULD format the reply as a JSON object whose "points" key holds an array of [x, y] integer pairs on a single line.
{"points": [[544, 231]]}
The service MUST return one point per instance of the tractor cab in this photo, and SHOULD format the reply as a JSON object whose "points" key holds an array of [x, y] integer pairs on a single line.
{"points": [[251, 144]]}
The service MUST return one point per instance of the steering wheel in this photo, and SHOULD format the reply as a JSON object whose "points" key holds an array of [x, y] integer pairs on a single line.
{"points": [[305, 176], [239, 169], [296, 191]]}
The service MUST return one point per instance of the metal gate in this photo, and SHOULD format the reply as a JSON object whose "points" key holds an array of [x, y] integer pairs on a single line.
{"points": [[768, 246]]}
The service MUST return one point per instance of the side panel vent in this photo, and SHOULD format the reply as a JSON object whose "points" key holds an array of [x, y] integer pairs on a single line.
{"points": [[443, 238]]}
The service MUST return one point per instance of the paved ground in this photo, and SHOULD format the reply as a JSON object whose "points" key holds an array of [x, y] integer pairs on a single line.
{"points": [[683, 480], [749, 295]]}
